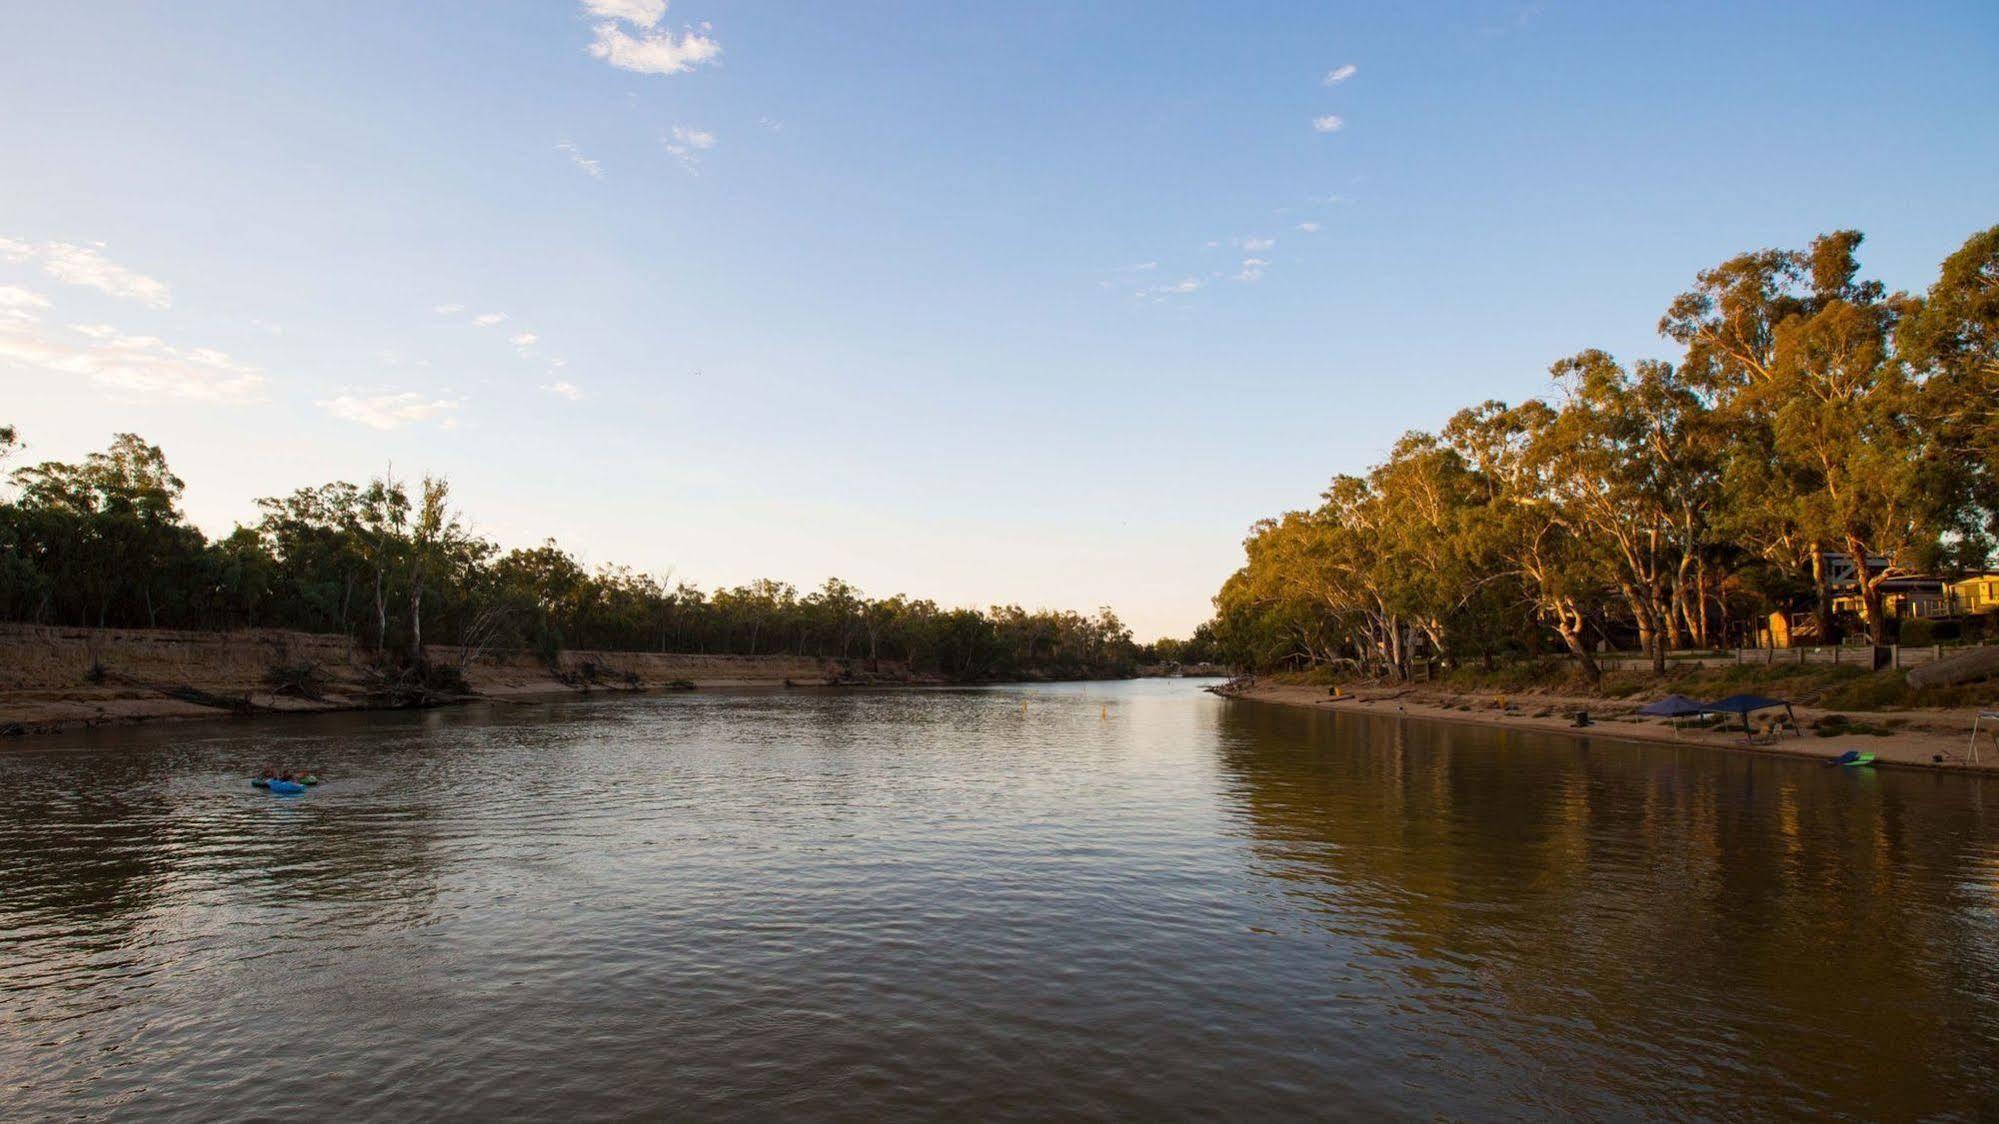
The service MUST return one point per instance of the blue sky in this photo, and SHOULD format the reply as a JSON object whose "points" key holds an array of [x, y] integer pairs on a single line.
{"points": [[1041, 303]]}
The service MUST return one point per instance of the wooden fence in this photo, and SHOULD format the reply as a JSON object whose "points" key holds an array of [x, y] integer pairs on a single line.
{"points": [[1862, 656]]}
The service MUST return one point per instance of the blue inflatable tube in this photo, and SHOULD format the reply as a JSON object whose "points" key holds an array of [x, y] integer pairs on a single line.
{"points": [[286, 788]]}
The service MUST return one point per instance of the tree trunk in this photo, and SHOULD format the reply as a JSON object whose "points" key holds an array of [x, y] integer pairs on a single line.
{"points": [[1872, 603], [1569, 624], [1822, 596], [416, 619]]}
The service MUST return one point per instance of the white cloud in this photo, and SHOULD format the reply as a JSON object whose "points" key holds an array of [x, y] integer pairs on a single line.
{"points": [[1172, 289], [23, 305], [687, 144], [1309, 227], [594, 168], [1254, 245], [645, 13], [448, 309], [488, 319], [1339, 74], [390, 410], [138, 364], [563, 389], [87, 265], [1252, 270], [653, 52], [524, 339], [1330, 123]]}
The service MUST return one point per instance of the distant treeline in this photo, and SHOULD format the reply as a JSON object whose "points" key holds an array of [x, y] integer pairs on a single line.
{"points": [[103, 542], [1812, 418]]}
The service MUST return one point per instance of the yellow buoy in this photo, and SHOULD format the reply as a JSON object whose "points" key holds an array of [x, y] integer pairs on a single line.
{"points": [[1104, 714]]}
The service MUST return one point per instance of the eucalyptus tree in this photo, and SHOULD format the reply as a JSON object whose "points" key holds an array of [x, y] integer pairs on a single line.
{"points": [[109, 530], [1629, 462], [1836, 436], [1950, 339], [1528, 525]]}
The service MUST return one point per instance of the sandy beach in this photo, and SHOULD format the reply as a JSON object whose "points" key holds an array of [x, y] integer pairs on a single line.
{"points": [[1918, 738]]}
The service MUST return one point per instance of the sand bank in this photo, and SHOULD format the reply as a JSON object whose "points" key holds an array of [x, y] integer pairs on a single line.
{"points": [[1917, 739], [58, 678]]}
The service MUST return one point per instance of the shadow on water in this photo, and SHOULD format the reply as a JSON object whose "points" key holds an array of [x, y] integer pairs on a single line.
{"points": [[1668, 929]]}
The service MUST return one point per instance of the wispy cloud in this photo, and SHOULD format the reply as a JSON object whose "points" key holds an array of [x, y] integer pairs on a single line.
{"points": [[645, 13], [21, 304], [1255, 244], [1339, 74], [563, 389], [594, 169], [1252, 270], [629, 38], [448, 309], [1310, 227], [390, 410], [87, 265], [1330, 123], [1178, 288], [523, 339], [143, 365], [488, 319], [687, 144]]}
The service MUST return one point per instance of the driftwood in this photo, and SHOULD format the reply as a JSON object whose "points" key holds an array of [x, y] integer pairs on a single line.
{"points": [[239, 704], [1965, 667], [419, 684]]}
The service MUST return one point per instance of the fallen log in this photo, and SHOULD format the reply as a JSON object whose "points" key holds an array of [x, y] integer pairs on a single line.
{"points": [[1968, 666]]}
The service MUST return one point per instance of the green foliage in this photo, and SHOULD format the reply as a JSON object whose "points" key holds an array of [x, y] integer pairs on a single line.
{"points": [[1663, 506], [104, 543]]}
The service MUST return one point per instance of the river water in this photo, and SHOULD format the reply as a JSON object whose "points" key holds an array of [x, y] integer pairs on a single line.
{"points": [[1123, 900]]}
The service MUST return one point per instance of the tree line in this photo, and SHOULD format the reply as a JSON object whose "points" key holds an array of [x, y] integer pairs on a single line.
{"points": [[393, 564], [1811, 416]]}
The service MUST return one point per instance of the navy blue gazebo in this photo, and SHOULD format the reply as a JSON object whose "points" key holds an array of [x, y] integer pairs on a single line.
{"points": [[1745, 705], [1674, 707]]}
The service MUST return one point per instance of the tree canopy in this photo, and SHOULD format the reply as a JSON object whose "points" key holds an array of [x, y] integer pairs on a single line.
{"points": [[1811, 414], [104, 543]]}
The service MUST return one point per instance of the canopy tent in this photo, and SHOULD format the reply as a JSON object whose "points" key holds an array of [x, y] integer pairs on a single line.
{"points": [[1674, 707], [1745, 705]]}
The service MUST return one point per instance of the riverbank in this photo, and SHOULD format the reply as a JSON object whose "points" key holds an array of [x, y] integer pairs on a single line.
{"points": [[1915, 738], [54, 679]]}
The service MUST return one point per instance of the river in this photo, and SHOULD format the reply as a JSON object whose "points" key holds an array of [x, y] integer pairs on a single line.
{"points": [[1125, 900]]}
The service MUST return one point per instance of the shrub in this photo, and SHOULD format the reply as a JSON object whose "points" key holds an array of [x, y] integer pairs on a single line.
{"points": [[301, 681]]}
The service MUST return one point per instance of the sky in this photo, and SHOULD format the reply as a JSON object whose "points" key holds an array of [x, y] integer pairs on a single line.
{"points": [[1036, 303]]}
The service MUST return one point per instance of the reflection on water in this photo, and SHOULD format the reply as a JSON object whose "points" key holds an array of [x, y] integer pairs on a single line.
{"points": [[1115, 900]]}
